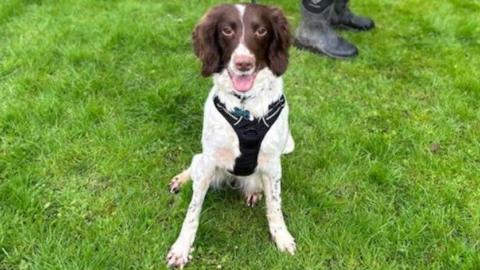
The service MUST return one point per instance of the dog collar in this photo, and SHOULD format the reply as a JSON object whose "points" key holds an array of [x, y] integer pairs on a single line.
{"points": [[241, 97]]}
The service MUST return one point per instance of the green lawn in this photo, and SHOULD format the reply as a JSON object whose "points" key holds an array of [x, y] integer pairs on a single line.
{"points": [[101, 104]]}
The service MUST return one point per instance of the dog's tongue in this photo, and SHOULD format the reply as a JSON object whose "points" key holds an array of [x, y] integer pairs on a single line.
{"points": [[243, 83]]}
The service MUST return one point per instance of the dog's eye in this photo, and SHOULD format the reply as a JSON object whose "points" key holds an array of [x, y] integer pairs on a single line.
{"points": [[262, 31], [228, 31]]}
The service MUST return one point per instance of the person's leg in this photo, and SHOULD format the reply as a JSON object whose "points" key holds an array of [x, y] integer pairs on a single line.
{"points": [[316, 34], [343, 17]]}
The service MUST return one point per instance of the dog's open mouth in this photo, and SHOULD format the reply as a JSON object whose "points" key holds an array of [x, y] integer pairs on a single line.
{"points": [[242, 83]]}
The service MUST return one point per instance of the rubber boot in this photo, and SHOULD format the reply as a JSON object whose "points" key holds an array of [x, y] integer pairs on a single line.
{"points": [[316, 34], [343, 17]]}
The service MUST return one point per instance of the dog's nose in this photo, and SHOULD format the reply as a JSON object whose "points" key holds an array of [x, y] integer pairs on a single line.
{"points": [[244, 62]]}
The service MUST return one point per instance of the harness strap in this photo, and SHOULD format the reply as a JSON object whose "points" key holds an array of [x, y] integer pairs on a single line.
{"points": [[250, 134]]}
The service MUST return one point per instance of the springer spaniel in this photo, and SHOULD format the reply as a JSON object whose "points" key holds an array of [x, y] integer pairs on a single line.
{"points": [[245, 125]]}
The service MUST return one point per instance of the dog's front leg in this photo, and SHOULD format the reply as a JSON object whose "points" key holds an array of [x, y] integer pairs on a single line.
{"points": [[278, 229], [179, 253]]}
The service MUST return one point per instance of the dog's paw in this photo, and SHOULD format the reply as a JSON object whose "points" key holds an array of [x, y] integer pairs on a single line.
{"points": [[253, 198], [177, 181], [285, 241], [178, 256], [175, 185]]}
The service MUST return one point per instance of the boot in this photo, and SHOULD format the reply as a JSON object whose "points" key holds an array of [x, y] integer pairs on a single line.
{"points": [[315, 33], [343, 17]]}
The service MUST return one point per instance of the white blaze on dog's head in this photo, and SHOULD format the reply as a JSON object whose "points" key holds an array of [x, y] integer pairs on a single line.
{"points": [[241, 40]]}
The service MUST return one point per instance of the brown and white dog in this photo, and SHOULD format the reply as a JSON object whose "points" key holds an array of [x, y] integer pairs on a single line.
{"points": [[245, 48]]}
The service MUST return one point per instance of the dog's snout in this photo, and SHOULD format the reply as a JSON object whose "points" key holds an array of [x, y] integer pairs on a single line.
{"points": [[244, 62]]}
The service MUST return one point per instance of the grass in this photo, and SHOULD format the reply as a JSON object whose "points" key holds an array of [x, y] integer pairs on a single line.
{"points": [[101, 103]]}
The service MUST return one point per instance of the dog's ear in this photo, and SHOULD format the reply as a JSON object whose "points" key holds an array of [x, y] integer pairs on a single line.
{"points": [[281, 40], [205, 43]]}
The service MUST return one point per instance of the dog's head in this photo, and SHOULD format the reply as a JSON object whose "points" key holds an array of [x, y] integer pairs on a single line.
{"points": [[241, 40]]}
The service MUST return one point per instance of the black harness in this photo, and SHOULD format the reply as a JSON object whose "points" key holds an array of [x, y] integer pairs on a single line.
{"points": [[250, 133]]}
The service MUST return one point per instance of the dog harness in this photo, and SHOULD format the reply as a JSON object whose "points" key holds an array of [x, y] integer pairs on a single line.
{"points": [[250, 133]]}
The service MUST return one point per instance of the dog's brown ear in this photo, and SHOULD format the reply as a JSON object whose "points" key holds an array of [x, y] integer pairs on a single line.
{"points": [[205, 43], [278, 51]]}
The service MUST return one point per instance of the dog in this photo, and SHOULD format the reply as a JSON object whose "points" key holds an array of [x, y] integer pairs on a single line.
{"points": [[245, 126]]}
